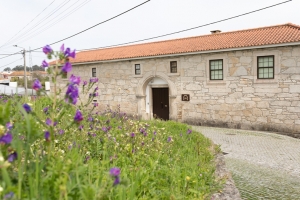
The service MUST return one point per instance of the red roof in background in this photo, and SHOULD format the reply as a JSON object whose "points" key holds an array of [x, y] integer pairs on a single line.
{"points": [[285, 33]]}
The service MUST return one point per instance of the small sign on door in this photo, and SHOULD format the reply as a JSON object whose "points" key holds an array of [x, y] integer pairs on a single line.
{"points": [[185, 97]]}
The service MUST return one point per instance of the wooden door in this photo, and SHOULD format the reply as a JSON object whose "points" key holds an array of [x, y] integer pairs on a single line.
{"points": [[161, 103]]}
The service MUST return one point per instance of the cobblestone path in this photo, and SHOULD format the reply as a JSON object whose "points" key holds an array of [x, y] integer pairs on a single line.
{"points": [[263, 165]]}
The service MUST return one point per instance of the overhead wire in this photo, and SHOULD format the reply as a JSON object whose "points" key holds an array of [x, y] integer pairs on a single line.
{"points": [[28, 23], [63, 17], [36, 25], [11, 62]]}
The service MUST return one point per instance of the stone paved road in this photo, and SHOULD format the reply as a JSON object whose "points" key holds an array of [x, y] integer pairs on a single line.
{"points": [[263, 165]]}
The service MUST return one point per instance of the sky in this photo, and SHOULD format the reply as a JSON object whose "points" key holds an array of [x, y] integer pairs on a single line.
{"points": [[32, 24]]}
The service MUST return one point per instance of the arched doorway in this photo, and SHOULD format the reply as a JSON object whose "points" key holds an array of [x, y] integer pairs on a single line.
{"points": [[156, 95]]}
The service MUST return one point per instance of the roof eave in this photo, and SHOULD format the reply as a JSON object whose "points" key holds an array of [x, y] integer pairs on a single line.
{"points": [[192, 53]]}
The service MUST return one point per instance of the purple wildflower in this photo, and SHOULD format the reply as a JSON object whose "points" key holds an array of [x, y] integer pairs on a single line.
{"points": [[117, 180], [68, 53], [66, 68], [115, 171], [62, 48], [61, 131], [6, 139], [90, 119], [189, 131], [94, 80], [95, 104], [78, 116], [80, 127], [84, 83], [36, 85], [143, 143], [95, 94], [47, 135], [9, 125], [9, 195], [72, 94], [47, 49], [169, 139], [104, 129], [132, 135], [27, 108], [48, 122], [55, 123], [13, 156], [96, 88], [75, 79], [46, 109], [45, 64], [154, 133]]}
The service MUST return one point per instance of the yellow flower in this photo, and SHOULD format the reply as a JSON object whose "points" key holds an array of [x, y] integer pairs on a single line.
{"points": [[2, 130], [187, 178]]}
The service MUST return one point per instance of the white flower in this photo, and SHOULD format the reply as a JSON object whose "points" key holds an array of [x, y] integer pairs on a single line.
{"points": [[1, 159], [56, 141], [1, 189]]}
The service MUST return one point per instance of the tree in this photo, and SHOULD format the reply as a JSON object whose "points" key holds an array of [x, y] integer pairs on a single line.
{"points": [[37, 68], [7, 69]]}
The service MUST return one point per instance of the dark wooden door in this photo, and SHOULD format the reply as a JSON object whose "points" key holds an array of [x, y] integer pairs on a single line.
{"points": [[161, 103]]}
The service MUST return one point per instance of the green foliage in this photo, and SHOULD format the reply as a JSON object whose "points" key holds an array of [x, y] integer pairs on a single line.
{"points": [[54, 154]]}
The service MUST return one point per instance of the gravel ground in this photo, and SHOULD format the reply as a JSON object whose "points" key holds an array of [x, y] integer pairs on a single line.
{"points": [[263, 165]]}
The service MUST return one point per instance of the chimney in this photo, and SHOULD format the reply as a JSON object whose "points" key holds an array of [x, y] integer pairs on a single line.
{"points": [[215, 31]]}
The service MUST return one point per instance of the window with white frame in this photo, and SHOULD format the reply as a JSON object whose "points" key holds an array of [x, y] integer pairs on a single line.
{"points": [[265, 67]]}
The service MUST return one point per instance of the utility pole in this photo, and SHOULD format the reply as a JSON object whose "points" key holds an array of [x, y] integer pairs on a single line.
{"points": [[25, 73]]}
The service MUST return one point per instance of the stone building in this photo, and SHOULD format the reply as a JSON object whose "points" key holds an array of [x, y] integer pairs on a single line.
{"points": [[248, 79]]}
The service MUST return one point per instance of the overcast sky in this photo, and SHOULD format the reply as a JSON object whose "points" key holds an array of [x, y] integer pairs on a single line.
{"points": [[35, 23]]}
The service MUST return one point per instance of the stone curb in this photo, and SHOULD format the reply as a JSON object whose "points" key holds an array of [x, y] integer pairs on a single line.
{"points": [[229, 192]]}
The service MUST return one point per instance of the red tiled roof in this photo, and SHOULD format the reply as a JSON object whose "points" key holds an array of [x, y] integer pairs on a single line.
{"points": [[18, 73], [285, 33]]}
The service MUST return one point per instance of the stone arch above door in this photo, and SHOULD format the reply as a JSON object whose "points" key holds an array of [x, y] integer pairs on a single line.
{"points": [[142, 84]]}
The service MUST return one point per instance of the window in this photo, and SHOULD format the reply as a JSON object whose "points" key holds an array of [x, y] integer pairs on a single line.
{"points": [[173, 66], [137, 69], [93, 72], [216, 69], [265, 67]]}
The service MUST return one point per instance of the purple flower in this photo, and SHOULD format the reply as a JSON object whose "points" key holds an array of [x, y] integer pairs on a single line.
{"points": [[45, 64], [94, 80], [46, 109], [55, 123], [132, 135], [72, 94], [66, 68], [90, 118], [78, 116], [117, 180], [62, 48], [9, 125], [68, 53], [115, 171], [36, 85], [74, 79], [95, 94], [48, 122], [12, 157], [189, 131], [104, 129], [47, 135], [9, 195], [84, 83], [27, 108], [80, 127], [169, 139], [154, 133], [6, 139], [61, 131], [95, 104], [96, 88], [47, 49]]}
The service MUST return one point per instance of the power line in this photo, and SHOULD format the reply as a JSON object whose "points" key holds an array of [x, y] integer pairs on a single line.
{"points": [[11, 55], [98, 24], [54, 23], [226, 19], [11, 62], [27, 24], [36, 25]]}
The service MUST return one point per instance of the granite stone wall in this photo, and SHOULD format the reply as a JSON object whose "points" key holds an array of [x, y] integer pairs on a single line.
{"points": [[240, 100]]}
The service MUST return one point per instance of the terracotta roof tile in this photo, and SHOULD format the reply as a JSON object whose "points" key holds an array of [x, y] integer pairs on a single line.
{"points": [[285, 33], [18, 73]]}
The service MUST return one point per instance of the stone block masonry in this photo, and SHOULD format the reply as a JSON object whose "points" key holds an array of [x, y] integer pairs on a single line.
{"points": [[240, 100]]}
